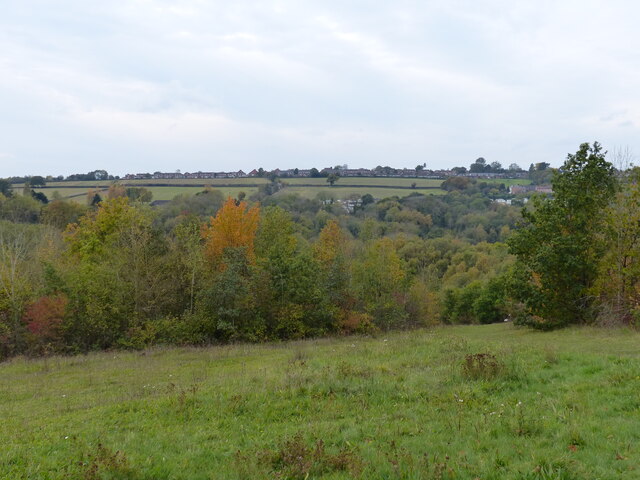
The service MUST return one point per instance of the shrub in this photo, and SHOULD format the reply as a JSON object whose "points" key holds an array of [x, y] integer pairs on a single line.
{"points": [[43, 319]]}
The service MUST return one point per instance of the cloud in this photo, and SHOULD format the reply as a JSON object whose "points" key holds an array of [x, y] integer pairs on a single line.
{"points": [[145, 84]]}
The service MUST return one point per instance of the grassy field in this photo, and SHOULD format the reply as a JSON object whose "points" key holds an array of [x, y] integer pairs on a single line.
{"points": [[370, 181], [168, 193], [341, 192], [477, 402], [305, 187]]}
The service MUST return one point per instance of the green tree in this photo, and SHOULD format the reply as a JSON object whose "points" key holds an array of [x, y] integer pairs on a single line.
{"points": [[379, 283], [618, 283], [5, 187], [558, 247], [60, 213], [114, 275], [37, 181], [333, 178], [290, 296], [230, 300]]}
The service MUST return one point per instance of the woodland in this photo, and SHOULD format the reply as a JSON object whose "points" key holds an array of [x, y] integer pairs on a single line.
{"points": [[204, 269]]}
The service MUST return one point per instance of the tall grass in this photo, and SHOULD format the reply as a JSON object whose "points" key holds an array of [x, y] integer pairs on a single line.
{"points": [[559, 405]]}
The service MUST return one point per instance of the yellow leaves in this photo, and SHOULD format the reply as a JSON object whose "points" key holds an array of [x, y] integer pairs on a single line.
{"points": [[537, 279], [235, 225], [330, 244], [116, 191], [109, 224]]}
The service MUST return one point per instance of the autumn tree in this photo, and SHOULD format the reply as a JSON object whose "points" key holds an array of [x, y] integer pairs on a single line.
{"points": [[116, 190], [44, 320], [330, 252], [235, 225], [19, 280], [60, 213]]}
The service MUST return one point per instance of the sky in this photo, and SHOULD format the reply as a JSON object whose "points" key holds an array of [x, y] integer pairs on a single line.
{"points": [[203, 85]]}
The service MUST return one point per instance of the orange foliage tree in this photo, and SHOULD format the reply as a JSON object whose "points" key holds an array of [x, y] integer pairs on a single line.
{"points": [[44, 318], [235, 225]]}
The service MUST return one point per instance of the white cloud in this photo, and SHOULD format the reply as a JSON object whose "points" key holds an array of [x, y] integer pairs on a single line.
{"points": [[137, 83]]}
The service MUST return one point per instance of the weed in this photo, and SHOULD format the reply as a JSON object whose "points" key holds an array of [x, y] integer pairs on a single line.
{"points": [[295, 459], [299, 358], [346, 371], [549, 471], [550, 356], [481, 366], [104, 463]]}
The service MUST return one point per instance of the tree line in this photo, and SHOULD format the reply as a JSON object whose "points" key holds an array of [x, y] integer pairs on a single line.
{"points": [[204, 269]]}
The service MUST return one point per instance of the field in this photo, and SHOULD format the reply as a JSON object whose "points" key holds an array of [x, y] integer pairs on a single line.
{"points": [[345, 188], [475, 402], [340, 192]]}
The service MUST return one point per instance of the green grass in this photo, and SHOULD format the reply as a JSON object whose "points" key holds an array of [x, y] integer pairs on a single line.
{"points": [[370, 181], [340, 192], [306, 187], [168, 193], [76, 194], [561, 405]]}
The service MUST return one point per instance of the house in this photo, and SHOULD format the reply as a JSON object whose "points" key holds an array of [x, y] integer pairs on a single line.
{"points": [[544, 189]]}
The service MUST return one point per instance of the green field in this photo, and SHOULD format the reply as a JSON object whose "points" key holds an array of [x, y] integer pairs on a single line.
{"points": [[487, 402], [372, 181], [339, 192], [379, 187]]}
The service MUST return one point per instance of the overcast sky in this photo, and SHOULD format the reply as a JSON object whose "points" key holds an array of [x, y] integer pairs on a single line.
{"points": [[143, 85]]}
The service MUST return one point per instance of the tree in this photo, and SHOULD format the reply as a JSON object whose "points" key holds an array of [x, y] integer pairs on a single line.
{"points": [[93, 198], [116, 190], [39, 197], [230, 300], [139, 194], [19, 279], [60, 213], [367, 199], [290, 296], [618, 282], [114, 276], [20, 208], [333, 178], [379, 278], [479, 166], [5, 187], [558, 247], [330, 253], [37, 181], [188, 247], [235, 225]]}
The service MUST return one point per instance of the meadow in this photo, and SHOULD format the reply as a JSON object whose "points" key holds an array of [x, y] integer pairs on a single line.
{"points": [[378, 187], [464, 402]]}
